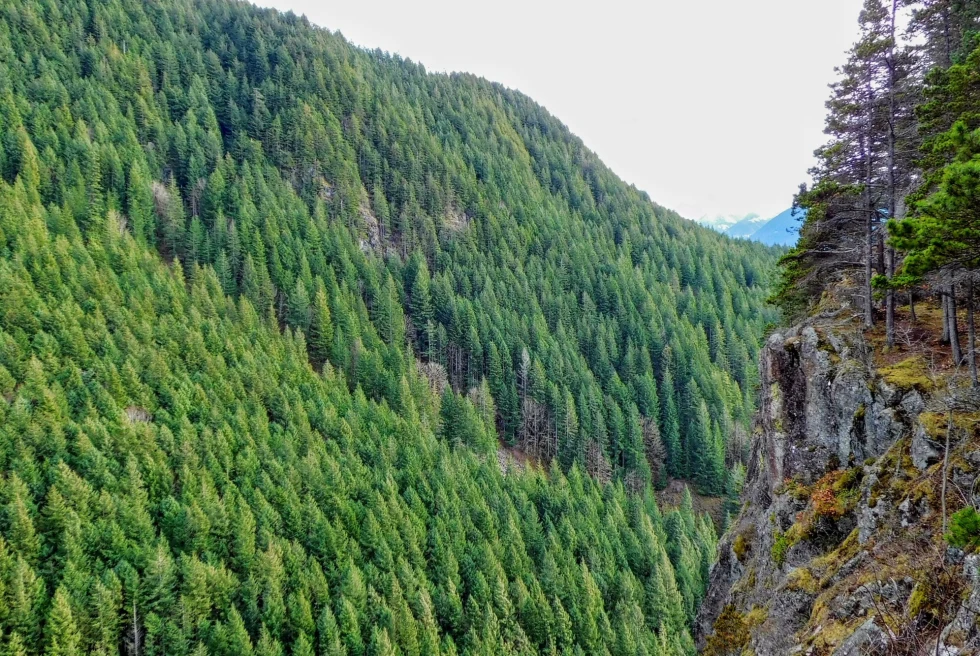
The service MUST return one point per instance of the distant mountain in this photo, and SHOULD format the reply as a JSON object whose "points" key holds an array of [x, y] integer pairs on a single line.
{"points": [[783, 229], [725, 223], [746, 227]]}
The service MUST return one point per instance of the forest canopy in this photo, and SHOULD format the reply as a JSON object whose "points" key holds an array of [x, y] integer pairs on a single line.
{"points": [[270, 304]]}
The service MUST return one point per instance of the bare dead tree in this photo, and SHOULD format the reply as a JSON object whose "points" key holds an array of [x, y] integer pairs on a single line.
{"points": [[596, 464], [653, 447], [134, 639]]}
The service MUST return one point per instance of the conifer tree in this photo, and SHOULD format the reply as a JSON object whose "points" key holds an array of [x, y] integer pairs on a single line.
{"points": [[298, 311], [139, 203], [63, 637], [321, 326], [670, 428]]}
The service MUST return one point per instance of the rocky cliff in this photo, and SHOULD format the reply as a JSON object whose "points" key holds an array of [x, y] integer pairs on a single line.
{"points": [[839, 547]]}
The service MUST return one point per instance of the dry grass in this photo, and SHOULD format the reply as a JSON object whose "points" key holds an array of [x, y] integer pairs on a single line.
{"points": [[921, 338]]}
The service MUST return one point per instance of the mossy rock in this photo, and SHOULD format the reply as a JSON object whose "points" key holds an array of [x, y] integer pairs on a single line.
{"points": [[757, 616], [803, 580], [742, 544], [782, 543], [833, 634], [918, 599], [830, 563], [911, 373], [747, 582], [796, 489], [837, 493], [936, 423], [730, 635]]}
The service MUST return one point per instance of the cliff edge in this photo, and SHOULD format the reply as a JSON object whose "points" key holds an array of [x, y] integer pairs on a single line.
{"points": [[839, 547]]}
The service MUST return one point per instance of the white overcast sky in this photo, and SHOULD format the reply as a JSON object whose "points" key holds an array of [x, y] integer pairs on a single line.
{"points": [[712, 106]]}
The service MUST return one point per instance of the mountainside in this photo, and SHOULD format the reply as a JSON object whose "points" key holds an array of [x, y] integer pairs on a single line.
{"points": [[724, 223], [440, 210], [177, 479], [305, 350], [781, 230]]}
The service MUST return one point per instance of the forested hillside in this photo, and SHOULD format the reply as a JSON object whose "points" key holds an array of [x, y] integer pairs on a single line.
{"points": [[177, 479], [481, 231], [268, 305]]}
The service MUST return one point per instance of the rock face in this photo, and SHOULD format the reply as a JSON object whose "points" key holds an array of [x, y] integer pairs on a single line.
{"points": [[818, 410], [838, 547]]}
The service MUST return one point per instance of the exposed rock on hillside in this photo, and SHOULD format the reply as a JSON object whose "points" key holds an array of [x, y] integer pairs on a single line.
{"points": [[838, 548]]}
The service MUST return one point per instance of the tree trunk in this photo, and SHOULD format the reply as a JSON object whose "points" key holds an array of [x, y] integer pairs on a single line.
{"points": [[136, 637], [971, 345], [869, 317], [892, 184], [879, 246], [912, 306], [869, 205], [890, 303], [954, 333], [948, 52], [949, 430], [945, 301]]}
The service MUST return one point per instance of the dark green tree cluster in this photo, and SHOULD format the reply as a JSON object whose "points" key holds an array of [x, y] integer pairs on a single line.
{"points": [[863, 170], [399, 220], [176, 478], [897, 189], [942, 236]]}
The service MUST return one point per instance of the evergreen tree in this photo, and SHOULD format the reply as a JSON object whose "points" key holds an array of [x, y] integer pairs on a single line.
{"points": [[298, 312], [670, 429], [63, 637], [321, 326], [139, 203]]}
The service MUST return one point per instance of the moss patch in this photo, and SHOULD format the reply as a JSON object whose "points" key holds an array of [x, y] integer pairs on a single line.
{"points": [[833, 634], [795, 488], [784, 542], [731, 633], [779, 548], [936, 423], [911, 373], [917, 600], [756, 616], [837, 493], [829, 564], [803, 580], [742, 545]]}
